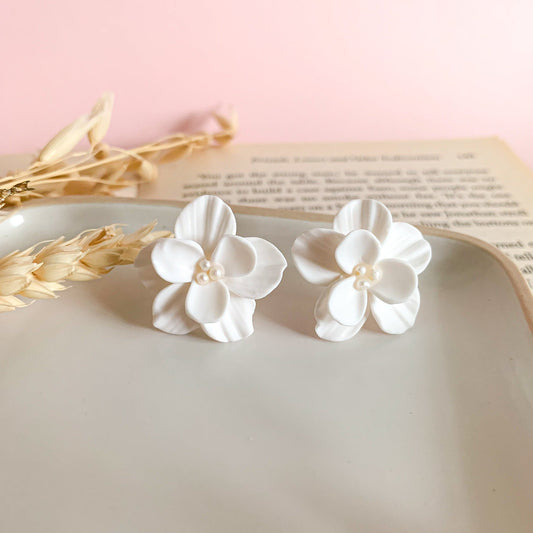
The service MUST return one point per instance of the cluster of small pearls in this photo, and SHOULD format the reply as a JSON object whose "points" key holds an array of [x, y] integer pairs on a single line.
{"points": [[208, 271], [365, 276]]}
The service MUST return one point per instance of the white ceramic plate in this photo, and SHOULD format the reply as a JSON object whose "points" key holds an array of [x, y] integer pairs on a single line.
{"points": [[108, 425]]}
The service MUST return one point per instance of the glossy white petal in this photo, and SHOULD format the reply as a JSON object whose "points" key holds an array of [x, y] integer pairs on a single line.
{"points": [[149, 277], [175, 259], [398, 282], [405, 242], [266, 275], [206, 303], [313, 253], [364, 214], [205, 220], [347, 305], [359, 246], [236, 323], [168, 310], [397, 318], [236, 255], [328, 328]]}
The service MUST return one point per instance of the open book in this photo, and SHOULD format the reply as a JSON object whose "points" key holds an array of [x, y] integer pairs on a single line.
{"points": [[474, 186]]}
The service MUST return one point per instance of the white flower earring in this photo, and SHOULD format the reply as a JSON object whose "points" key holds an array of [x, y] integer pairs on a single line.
{"points": [[369, 265], [207, 276]]}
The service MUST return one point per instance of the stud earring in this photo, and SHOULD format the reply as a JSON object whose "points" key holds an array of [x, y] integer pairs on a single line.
{"points": [[207, 276], [368, 264]]}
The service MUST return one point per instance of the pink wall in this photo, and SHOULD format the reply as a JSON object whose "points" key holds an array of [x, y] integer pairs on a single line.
{"points": [[294, 70]]}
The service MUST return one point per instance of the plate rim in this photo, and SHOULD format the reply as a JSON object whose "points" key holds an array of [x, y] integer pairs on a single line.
{"points": [[519, 284]]}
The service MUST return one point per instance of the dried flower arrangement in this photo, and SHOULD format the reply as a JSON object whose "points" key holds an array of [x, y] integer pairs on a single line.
{"points": [[40, 271], [102, 169]]}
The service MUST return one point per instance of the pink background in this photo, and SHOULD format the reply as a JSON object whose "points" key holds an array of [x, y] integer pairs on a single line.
{"points": [[321, 70]]}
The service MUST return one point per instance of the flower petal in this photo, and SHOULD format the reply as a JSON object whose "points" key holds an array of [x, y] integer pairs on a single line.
{"points": [[398, 282], [236, 255], [347, 305], [266, 275], [397, 318], [405, 242], [205, 220], [175, 259], [359, 246], [236, 322], [168, 310], [313, 253], [364, 214], [149, 277], [207, 303], [328, 328]]}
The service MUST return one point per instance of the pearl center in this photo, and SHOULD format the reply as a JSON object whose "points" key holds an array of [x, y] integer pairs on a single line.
{"points": [[365, 276], [208, 271]]}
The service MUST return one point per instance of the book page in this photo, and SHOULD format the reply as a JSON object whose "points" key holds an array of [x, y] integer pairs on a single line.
{"points": [[474, 186]]}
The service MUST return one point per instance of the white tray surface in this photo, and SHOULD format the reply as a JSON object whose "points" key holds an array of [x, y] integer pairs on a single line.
{"points": [[110, 425]]}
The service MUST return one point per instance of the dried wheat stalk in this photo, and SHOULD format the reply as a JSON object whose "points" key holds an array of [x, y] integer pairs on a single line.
{"points": [[41, 271], [102, 169]]}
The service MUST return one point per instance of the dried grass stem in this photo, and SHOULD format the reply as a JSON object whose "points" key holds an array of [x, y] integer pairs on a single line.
{"points": [[41, 271], [58, 170]]}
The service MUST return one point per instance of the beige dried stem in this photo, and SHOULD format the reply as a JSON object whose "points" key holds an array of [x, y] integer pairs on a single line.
{"points": [[40, 272], [101, 169]]}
